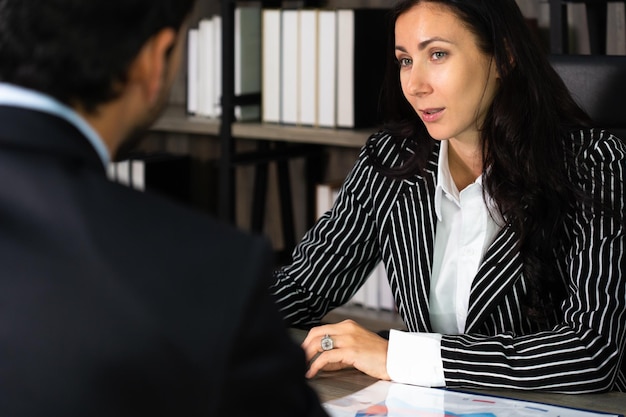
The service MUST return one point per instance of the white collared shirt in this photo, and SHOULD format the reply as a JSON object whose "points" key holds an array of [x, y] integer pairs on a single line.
{"points": [[15, 96], [465, 230]]}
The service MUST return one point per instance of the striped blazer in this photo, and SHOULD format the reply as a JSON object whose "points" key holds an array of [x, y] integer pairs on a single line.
{"points": [[377, 218]]}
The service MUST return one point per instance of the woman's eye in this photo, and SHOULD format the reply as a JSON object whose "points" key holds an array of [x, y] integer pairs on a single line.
{"points": [[438, 55], [404, 62]]}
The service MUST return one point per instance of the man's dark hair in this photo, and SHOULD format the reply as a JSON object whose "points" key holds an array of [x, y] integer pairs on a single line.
{"points": [[78, 51]]}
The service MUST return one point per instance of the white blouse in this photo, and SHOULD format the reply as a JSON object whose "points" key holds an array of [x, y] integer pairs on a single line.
{"points": [[465, 229]]}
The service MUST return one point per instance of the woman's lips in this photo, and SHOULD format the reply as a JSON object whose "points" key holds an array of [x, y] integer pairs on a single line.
{"points": [[431, 115]]}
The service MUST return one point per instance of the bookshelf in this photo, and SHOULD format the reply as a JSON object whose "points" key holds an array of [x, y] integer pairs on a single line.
{"points": [[301, 141], [281, 145], [229, 130]]}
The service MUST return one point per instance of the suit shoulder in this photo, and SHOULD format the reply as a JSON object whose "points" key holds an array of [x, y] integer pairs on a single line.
{"points": [[168, 232]]}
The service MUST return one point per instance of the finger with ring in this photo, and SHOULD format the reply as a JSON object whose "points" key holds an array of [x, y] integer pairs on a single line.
{"points": [[327, 343]]}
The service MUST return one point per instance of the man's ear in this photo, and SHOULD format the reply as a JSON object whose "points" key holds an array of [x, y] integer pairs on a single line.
{"points": [[148, 70]]}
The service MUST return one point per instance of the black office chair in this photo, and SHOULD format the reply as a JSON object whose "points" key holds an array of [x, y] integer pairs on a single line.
{"points": [[598, 83]]}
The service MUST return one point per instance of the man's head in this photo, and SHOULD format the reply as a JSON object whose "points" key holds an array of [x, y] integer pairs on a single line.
{"points": [[79, 51], [113, 61]]}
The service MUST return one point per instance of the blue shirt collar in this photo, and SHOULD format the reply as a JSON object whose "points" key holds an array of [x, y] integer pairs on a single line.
{"points": [[12, 95]]}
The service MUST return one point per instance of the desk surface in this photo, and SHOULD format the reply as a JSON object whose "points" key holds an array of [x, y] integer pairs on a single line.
{"points": [[332, 385]]}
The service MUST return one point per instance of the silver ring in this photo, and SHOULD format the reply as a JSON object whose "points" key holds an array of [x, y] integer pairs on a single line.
{"points": [[327, 343]]}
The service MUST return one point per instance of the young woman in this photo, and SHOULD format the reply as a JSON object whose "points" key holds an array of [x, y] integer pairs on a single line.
{"points": [[496, 207]]}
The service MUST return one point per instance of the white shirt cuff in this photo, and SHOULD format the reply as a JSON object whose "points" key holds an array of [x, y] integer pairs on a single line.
{"points": [[415, 358]]}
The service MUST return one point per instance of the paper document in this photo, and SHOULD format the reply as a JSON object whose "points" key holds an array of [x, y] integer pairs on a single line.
{"points": [[391, 399]]}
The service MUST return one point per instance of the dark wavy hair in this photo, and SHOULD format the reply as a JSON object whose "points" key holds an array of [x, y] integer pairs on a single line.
{"points": [[522, 136], [78, 51]]}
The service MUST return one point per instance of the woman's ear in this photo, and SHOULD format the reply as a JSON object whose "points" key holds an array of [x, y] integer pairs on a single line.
{"points": [[509, 54], [509, 61], [149, 69]]}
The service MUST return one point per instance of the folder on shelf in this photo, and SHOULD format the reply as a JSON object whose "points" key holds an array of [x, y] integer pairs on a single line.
{"points": [[217, 67], [247, 59], [290, 85], [271, 65], [192, 71], [206, 68], [307, 67], [361, 35], [326, 68]]}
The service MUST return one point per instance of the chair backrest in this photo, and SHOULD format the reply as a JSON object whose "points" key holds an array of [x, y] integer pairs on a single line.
{"points": [[598, 84]]}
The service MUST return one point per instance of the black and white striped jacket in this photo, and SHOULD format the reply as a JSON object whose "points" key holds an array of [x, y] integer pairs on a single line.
{"points": [[376, 218]]}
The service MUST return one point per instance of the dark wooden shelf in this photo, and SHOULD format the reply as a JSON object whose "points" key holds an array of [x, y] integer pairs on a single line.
{"points": [[175, 120]]}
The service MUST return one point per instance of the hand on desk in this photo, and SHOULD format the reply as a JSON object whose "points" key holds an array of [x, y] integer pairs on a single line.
{"points": [[353, 346]]}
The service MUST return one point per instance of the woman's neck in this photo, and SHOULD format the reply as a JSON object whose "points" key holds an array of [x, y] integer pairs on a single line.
{"points": [[465, 163]]}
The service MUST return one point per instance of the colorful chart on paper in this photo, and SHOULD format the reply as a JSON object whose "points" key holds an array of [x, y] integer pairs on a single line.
{"points": [[391, 399]]}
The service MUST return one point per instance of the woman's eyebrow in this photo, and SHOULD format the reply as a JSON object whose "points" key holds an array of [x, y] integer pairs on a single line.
{"points": [[424, 44]]}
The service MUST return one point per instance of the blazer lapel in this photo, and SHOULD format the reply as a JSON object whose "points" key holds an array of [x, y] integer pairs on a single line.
{"points": [[499, 271], [411, 232]]}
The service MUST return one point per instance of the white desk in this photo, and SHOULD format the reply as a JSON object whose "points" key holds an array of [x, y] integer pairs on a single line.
{"points": [[332, 385]]}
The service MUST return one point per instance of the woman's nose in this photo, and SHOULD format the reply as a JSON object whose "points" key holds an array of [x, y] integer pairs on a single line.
{"points": [[417, 82]]}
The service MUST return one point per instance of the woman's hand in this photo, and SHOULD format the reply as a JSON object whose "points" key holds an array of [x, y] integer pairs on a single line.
{"points": [[353, 345]]}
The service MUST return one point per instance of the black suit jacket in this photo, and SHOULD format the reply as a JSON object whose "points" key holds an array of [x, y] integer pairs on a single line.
{"points": [[115, 302]]}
